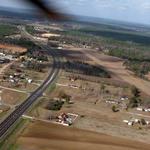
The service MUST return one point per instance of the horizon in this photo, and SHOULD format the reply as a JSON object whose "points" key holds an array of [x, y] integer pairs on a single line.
{"points": [[29, 11], [116, 12]]}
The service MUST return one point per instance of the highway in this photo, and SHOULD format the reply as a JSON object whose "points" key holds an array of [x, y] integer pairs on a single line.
{"points": [[8, 123]]}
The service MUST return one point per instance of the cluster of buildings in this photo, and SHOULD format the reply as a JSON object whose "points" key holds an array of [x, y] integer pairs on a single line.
{"points": [[68, 85], [5, 58], [134, 121], [66, 119], [147, 109], [16, 77], [117, 102]]}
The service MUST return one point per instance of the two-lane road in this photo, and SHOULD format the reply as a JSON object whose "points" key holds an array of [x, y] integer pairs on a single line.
{"points": [[22, 108]]}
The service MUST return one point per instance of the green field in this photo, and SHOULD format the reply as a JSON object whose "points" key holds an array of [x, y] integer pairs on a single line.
{"points": [[6, 30]]}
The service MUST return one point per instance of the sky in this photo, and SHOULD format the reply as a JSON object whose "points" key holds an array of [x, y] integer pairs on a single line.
{"points": [[125, 10]]}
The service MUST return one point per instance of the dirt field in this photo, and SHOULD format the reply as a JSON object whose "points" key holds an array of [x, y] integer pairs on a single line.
{"points": [[43, 136], [97, 117], [4, 67], [12, 98], [13, 48], [148, 76], [48, 35], [38, 76], [94, 117], [115, 66]]}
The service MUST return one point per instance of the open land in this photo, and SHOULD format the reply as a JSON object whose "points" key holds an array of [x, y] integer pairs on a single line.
{"points": [[90, 103], [13, 48], [118, 71], [91, 86], [52, 137]]}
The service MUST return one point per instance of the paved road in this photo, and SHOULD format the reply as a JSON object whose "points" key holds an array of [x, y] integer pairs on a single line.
{"points": [[22, 108]]}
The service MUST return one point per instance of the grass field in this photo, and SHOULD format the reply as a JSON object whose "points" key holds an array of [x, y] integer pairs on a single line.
{"points": [[7, 30]]}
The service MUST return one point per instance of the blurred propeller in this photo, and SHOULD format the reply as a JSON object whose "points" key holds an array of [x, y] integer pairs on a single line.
{"points": [[47, 9]]}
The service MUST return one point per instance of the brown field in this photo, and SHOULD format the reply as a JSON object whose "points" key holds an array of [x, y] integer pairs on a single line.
{"points": [[48, 35], [116, 68], [148, 76], [38, 75], [13, 48], [4, 67], [99, 117], [95, 120], [94, 117], [12, 97], [43, 136], [21, 86]]}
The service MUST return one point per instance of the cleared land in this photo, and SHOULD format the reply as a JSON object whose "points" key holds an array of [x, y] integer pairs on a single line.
{"points": [[47, 35], [13, 48], [93, 116], [54, 137], [117, 69], [12, 98], [89, 102]]}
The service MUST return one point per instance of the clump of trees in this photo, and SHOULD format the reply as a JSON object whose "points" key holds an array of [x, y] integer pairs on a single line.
{"points": [[55, 105], [6, 29], [114, 108], [30, 29], [135, 101], [22, 42], [85, 68], [65, 96], [32, 65], [137, 61], [140, 68], [38, 55]]}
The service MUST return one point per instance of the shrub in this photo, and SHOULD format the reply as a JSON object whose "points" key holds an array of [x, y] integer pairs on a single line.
{"points": [[55, 105], [114, 108], [143, 122]]}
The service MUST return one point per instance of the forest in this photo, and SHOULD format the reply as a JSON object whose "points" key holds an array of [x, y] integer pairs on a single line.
{"points": [[133, 46]]}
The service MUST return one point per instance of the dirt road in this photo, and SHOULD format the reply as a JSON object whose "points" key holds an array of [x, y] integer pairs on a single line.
{"points": [[2, 70]]}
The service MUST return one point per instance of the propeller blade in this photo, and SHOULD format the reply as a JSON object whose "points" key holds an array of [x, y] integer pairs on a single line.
{"points": [[48, 10]]}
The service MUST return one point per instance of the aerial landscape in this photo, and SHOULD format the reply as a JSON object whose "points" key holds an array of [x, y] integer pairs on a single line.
{"points": [[79, 83]]}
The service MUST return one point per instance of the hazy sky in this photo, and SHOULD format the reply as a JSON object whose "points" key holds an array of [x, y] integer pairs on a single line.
{"points": [[127, 10]]}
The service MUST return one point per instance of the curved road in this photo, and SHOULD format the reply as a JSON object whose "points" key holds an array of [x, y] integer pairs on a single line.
{"points": [[22, 108]]}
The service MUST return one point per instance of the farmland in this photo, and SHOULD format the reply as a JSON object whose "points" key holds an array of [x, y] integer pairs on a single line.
{"points": [[71, 138], [90, 96], [99, 90]]}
